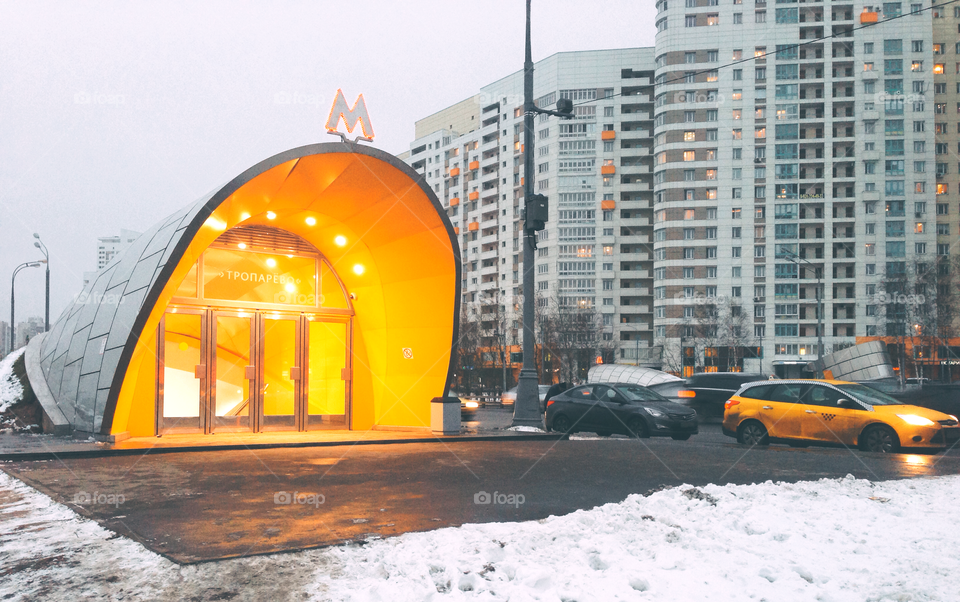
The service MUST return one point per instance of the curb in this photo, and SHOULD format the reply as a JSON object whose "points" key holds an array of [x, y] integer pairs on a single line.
{"points": [[106, 453]]}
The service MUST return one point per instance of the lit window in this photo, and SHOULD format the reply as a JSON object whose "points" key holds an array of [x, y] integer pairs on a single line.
{"points": [[938, 68], [689, 156], [689, 136], [688, 214]]}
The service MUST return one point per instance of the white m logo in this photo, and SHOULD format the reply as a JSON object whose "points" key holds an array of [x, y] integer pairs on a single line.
{"points": [[340, 110]]}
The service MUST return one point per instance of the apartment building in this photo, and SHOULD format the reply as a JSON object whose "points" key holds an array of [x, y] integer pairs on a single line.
{"points": [[596, 171], [794, 154], [946, 98]]}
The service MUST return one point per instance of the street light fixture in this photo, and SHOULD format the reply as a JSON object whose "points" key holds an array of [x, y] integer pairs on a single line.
{"points": [[46, 304], [13, 328], [526, 409], [796, 259]]}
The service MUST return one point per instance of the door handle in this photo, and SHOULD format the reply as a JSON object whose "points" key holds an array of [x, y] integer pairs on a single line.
{"points": [[250, 372], [810, 412], [767, 407], [294, 373], [199, 370]]}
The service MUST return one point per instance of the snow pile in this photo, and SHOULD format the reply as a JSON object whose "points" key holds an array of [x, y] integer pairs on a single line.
{"points": [[10, 388], [526, 429], [831, 540]]}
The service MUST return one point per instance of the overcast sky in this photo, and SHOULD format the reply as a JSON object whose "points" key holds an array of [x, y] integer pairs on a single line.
{"points": [[116, 114]]}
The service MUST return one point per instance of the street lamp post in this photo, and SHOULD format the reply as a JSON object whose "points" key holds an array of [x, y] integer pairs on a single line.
{"points": [[798, 259], [46, 303], [526, 409], [13, 279]]}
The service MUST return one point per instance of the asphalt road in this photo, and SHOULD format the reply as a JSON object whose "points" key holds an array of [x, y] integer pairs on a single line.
{"points": [[201, 506]]}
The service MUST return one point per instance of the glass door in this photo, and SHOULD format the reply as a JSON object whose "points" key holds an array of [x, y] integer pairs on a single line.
{"points": [[279, 372], [233, 372], [327, 375], [183, 378]]}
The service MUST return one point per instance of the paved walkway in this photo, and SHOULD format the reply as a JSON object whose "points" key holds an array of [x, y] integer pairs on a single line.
{"points": [[199, 506]]}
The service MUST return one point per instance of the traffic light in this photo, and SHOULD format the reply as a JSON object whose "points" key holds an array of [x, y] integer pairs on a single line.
{"points": [[536, 215], [565, 107]]}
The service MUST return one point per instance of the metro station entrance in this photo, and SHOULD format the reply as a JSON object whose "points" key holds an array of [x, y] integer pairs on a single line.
{"points": [[279, 361]]}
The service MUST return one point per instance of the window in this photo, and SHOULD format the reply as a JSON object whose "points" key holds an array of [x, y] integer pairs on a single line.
{"points": [[737, 18], [761, 16], [690, 21]]}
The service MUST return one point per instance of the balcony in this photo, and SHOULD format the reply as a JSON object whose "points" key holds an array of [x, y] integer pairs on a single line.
{"points": [[868, 17], [454, 172], [608, 135]]}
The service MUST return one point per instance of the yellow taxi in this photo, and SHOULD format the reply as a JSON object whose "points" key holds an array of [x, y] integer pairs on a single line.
{"points": [[800, 412]]}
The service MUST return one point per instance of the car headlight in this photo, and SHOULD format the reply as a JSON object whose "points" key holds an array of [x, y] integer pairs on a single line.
{"points": [[471, 404], [655, 413], [915, 420]]}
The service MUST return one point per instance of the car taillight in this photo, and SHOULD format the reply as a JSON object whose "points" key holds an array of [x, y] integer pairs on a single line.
{"points": [[549, 403], [686, 393], [730, 403]]}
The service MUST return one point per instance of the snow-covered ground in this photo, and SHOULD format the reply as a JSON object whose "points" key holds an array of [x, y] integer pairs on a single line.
{"points": [[10, 388], [830, 540]]}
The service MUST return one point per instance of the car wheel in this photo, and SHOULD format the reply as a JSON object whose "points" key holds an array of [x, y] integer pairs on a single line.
{"points": [[680, 437], [752, 433], [561, 424], [638, 428], [603, 433], [880, 438]]}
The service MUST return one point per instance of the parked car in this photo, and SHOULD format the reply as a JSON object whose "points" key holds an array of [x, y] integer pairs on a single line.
{"points": [[706, 392], [509, 397], [627, 409], [801, 412], [468, 407]]}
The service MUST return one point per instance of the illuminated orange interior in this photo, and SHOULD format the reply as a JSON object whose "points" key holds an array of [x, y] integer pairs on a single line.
{"points": [[389, 245]]}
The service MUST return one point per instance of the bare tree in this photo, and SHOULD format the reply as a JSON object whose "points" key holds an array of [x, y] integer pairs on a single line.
{"points": [[468, 350]]}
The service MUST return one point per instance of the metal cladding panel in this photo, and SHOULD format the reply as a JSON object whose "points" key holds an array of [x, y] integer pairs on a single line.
{"points": [[90, 300], [54, 376], [161, 240], [101, 403], [143, 274], [620, 373], [86, 402], [69, 326], [106, 310], [124, 263], [93, 355], [108, 366], [78, 344], [66, 394], [127, 312]]}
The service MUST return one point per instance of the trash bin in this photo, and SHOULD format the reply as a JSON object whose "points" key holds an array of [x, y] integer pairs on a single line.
{"points": [[445, 415]]}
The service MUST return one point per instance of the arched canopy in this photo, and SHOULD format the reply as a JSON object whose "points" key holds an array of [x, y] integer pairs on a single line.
{"points": [[381, 228]]}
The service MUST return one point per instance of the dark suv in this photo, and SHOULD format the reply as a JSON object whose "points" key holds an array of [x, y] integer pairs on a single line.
{"points": [[708, 391]]}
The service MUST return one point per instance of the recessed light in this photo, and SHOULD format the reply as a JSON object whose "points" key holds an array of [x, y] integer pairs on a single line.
{"points": [[358, 269], [242, 245], [311, 221], [271, 215], [340, 241], [271, 262]]}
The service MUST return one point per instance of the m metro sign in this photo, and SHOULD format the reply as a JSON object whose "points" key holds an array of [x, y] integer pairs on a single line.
{"points": [[341, 111]]}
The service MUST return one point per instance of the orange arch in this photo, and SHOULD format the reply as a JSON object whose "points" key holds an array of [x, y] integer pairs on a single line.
{"points": [[407, 294]]}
